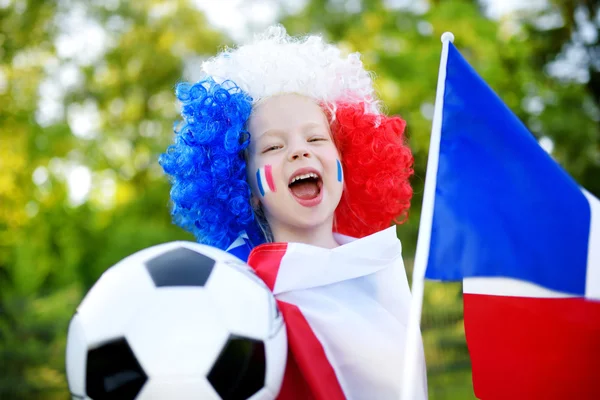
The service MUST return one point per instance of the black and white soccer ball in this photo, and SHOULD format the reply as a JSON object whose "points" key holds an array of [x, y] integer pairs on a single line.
{"points": [[180, 321]]}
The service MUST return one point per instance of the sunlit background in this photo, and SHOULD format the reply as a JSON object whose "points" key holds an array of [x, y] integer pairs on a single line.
{"points": [[87, 104]]}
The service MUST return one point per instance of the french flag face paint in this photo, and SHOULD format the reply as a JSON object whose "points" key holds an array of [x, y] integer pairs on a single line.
{"points": [[264, 180], [340, 172]]}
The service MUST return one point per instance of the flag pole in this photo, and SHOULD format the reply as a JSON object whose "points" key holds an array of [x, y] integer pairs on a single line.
{"points": [[413, 337]]}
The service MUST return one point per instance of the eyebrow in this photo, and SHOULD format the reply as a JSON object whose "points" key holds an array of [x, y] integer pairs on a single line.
{"points": [[269, 133], [277, 132]]}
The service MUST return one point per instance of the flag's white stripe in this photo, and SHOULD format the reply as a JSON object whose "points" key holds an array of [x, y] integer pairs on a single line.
{"points": [[296, 274], [354, 315], [509, 287], [424, 240], [238, 242], [592, 281]]}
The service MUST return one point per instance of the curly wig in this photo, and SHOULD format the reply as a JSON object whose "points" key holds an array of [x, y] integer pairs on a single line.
{"points": [[377, 165], [206, 164]]}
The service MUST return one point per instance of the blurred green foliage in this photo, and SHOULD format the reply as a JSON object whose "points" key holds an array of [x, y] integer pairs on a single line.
{"points": [[54, 244]]}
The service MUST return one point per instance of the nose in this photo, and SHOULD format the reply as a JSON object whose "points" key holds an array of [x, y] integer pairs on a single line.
{"points": [[298, 153]]}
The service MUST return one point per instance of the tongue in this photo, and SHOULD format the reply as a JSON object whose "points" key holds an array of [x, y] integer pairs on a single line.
{"points": [[305, 190]]}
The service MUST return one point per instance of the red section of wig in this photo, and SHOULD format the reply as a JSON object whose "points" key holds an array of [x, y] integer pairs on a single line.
{"points": [[377, 166]]}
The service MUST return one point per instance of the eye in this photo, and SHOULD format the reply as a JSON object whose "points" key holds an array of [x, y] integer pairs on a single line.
{"points": [[317, 139], [271, 148]]}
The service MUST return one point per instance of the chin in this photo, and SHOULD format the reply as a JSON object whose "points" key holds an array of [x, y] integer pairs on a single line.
{"points": [[292, 214], [312, 221]]}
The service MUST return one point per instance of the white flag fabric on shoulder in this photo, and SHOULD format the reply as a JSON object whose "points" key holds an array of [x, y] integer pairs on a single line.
{"points": [[346, 312]]}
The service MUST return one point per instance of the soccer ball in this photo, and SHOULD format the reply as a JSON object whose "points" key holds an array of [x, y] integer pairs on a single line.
{"points": [[179, 320]]}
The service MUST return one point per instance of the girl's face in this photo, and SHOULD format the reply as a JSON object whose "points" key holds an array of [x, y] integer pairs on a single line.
{"points": [[293, 165]]}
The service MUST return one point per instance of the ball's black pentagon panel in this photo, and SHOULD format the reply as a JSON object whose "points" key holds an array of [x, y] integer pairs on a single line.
{"points": [[239, 372], [113, 372], [180, 267]]}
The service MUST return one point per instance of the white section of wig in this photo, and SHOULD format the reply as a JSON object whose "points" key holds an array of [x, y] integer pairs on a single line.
{"points": [[276, 63]]}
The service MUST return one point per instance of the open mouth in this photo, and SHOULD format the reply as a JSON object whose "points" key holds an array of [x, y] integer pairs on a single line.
{"points": [[306, 187]]}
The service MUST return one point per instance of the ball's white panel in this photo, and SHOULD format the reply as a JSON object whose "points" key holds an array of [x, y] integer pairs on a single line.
{"points": [[177, 333], [243, 304], [114, 300], [76, 357], [263, 394], [276, 353], [177, 388]]}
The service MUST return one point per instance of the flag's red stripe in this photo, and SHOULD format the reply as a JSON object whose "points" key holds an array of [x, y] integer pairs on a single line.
{"points": [[269, 176], [533, 348], [308, 374], [266, 259]]}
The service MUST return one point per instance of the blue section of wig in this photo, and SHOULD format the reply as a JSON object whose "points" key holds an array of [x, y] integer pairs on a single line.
{"points": [[210, 195]]}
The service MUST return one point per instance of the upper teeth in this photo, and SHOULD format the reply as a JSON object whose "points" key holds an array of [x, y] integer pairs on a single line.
{"points": [[305, 176]]}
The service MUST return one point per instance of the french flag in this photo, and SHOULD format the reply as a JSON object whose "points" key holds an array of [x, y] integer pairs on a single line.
{"points": [[264, 180], [500, 214], [345, 311]]}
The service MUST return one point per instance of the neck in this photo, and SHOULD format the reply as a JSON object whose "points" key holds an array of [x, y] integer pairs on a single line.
{"points": [[320, 236]]}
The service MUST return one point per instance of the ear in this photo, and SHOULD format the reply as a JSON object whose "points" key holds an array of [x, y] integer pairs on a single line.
{"points": [[254, 202]]}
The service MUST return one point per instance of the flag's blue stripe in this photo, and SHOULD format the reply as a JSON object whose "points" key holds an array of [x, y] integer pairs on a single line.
{"points": [[503, 207], [259, 181]]}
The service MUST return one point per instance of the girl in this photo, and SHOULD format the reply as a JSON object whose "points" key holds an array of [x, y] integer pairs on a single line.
{"points": [[284, 159]]}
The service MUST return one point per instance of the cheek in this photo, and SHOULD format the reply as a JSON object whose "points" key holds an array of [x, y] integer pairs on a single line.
{"points": [[264, 180], [334, 165]]}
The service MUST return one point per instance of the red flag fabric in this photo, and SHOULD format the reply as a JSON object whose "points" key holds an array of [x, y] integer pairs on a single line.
{"points": [[527, 342]]}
